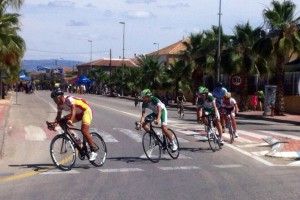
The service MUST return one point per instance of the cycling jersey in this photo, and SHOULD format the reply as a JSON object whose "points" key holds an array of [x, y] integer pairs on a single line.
{"points": [[219, 93], [82, 109], [208, 104], [152, 105], [228, 105]]}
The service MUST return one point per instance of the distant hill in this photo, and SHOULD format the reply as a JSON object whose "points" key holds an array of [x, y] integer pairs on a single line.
{"points": [[31, 65]]}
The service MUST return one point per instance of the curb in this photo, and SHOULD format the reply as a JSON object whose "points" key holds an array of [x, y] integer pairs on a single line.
{"points": [[267, 119]]}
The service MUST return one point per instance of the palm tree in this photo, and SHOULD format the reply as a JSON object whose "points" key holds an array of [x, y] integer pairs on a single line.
{"points": [[152, 71], [244, 58], [281, 43], [178, 73], [12, 3], [201, 52], [12, 45], [99, 76]]}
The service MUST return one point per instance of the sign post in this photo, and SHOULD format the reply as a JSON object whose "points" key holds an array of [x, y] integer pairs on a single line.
{"points": [[270, 97]]}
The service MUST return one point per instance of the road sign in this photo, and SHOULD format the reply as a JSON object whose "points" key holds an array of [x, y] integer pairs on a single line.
{"points": [[236, 80]]}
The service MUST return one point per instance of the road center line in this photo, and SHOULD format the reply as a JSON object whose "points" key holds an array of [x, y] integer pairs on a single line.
{"points": [[179, 168], [121, 170]]}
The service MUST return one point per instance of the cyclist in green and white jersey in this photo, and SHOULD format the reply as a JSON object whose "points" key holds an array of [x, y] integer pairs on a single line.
{"points": [[159, 113], [209, 105]]}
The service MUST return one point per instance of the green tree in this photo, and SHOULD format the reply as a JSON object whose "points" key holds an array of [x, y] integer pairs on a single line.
{"points": [[282, 41], [178, 73], [152, 71], [12, 45], [244, 59]]}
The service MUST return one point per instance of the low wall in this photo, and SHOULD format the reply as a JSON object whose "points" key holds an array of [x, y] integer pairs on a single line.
{"points": [[292, 104]]}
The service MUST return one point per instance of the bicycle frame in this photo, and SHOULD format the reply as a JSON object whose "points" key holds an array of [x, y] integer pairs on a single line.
{"points": [[163, 142], [67, 131]]}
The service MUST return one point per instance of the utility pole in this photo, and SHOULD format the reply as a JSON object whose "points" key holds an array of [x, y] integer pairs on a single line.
{"points": [[219, 44], [122, 89]]}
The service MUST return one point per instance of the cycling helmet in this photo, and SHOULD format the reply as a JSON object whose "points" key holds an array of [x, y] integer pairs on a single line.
{"points": [[180, 91], [219, 84], [57, 92], [227, 95], [146, 92], [202, 90]]}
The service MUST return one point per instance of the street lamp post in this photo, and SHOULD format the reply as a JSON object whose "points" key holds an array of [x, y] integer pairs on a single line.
{"points": [[91, 55], [219, 43], [123, 23]]}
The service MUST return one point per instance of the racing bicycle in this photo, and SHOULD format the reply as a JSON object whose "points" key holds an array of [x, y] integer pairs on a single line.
{"points": [[213, 138], [154, 142], [63, 147]]}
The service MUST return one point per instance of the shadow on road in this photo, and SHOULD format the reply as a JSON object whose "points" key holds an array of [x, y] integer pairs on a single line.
{"points": [[35, 167], [192, 149]]}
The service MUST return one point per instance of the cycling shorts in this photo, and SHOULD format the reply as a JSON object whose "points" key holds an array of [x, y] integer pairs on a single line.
{"points": [[86, 117], [163, 117]]}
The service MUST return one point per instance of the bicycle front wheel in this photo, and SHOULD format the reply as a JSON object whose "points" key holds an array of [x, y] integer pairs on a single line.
{"points": [[152, 147], [213, 140], [62, 152], [102, 150], [173, 154]]}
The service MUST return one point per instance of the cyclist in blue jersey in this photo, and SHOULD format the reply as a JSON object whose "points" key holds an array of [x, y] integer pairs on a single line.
{"points": [[219, 92], [159, 113]]}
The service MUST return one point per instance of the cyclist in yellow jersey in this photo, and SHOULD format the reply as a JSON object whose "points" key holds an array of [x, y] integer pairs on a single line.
{"points": [[79, 111]]}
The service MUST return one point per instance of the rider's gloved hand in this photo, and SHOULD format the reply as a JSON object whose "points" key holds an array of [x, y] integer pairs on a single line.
{"points": [[69, 122]]}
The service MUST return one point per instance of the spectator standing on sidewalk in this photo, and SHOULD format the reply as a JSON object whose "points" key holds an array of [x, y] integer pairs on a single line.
{"points": [[254, 102], [261, 99]]}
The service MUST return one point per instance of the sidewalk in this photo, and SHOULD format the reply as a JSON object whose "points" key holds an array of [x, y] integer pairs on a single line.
{"points": [[4, 108]]}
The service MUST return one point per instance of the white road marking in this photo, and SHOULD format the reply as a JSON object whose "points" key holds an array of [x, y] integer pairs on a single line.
{"points": [[181, 140], [188, 132], [296, 163], [251, 134], [228, 166], [282, 135], [250, 155], [239, 139], [179, 168], [116, 110], [106, 136], [121, 170], [34, 133], [251, 145], [60, 172], [260, 153], [132, 134]]}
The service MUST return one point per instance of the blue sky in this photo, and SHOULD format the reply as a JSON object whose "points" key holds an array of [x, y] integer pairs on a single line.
{"points": [[61, 29]]}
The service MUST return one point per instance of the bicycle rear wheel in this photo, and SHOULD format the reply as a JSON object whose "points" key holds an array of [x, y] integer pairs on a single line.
{"points": [[102, 150], [213, 140], [173, 154], [62, 152], [152, 147]]}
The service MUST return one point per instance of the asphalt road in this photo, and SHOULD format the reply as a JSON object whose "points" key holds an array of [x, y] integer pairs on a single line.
{"points": [[27, 171]]}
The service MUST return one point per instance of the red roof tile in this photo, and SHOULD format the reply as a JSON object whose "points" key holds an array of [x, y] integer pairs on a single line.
{"points": [[114, 63]]}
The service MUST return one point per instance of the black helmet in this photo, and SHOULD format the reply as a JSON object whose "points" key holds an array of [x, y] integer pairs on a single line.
{"points": [[57, 92], [219, 84]]}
